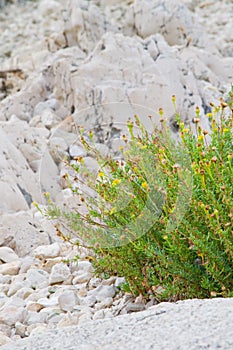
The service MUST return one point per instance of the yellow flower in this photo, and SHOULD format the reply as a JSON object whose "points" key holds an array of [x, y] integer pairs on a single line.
{"points": [[112, 211], [185, 130], [200, 137], [145, 185], [101, 174], [116, 182]]}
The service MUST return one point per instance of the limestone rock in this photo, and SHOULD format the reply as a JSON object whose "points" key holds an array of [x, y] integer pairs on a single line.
{"points": [[37, 278], [12, 311], [11, 268], [7, 254], [68, 300], [59, 273], [47, 251]]}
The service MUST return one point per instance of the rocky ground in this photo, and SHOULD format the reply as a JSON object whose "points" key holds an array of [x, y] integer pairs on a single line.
{"points": [[92, 63]]}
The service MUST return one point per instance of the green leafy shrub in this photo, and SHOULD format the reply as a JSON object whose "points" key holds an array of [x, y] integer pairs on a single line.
{"points": [[162, 215]]}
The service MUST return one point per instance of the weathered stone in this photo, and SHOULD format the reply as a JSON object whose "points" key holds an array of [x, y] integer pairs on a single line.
{"points": [[59, 273], [102, 292], [37, 278], [68, 300], [12, 311], [11, 268], [47, 251], [7, 254]]}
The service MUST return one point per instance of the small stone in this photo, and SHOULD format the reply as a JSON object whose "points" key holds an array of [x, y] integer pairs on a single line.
{"points": [[8, 255], [119, 281], [20, 329], [103, 292], [94, 282], [82, 278], [14, 287], [24, 293], [11, 268], [104, 304], [12, 311], [59, 273], [98, 315], [68, 300], [135, 307], [48, 302], [34, 317], [37, 279], [77, 151], [35, 329], [4, 339], [47, 251], [88, 300]]}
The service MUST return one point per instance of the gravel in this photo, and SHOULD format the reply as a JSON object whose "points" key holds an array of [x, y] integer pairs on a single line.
{"points": [[191, 324]]}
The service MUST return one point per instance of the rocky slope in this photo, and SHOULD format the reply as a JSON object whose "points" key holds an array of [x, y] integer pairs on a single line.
{"points": [[92, 63]]}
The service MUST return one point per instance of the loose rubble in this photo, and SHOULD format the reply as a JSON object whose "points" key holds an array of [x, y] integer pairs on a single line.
{"points": [[91, 63]]}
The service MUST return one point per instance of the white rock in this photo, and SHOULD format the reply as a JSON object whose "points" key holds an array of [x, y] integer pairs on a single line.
{"points": [[98, 315], [68, 300], [104, 304], [11, 268], [20, 329], [77, 151], [119, 281], [4, 339], [103, 292], [12, 311], [34, 317], [35, 329], [7, 254], [24, 292], [3, 298], [15, 287], [85, 265], [47, 251], [82, 278], [59, 273], [48, 302], [37, 278]]}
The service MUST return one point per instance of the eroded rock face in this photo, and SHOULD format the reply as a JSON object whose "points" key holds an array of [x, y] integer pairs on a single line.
{"points": [[92, 63]]}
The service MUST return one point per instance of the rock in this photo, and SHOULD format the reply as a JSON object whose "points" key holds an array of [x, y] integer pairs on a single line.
{"points": [[47, 251], [77, 151], [37, 278], [59, 273], [135, 307], [89, 300], [20, 329], [35, 329], [102, 292], [98, 315], [7, 254], [48, 302], [68, 300], [11, 268], [4, 339], [33, 317], [12, 311], [22, 233], [82, 277], [106, 303]]}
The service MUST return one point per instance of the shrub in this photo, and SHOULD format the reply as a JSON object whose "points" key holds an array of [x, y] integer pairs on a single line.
{"points": [[161, 216]]}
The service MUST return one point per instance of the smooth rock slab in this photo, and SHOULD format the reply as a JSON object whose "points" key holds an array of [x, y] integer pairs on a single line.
{"points": [[191, 324]]}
